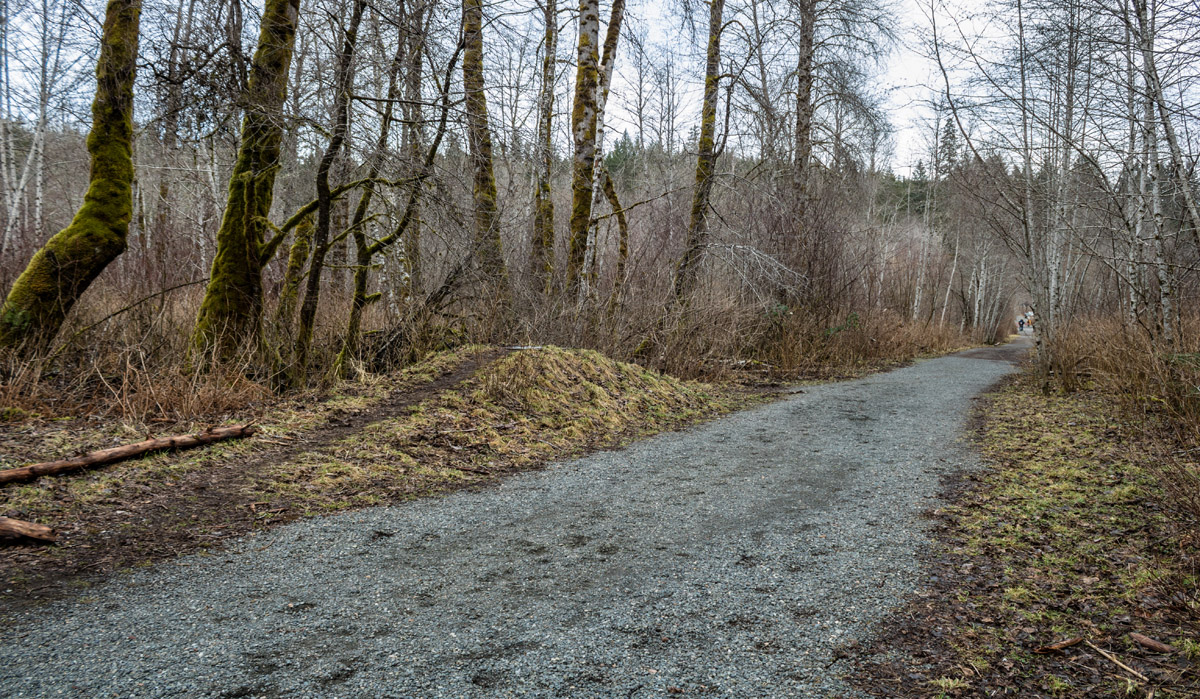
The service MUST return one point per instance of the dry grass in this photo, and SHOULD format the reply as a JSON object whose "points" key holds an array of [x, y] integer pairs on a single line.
{"points": [[1158, 389], [853, 344]]}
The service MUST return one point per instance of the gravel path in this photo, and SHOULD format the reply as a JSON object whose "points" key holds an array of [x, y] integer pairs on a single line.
{"points": [[728, 560]]}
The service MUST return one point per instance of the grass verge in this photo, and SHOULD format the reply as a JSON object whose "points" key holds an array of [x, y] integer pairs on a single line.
{"points": [[1046, 563]]}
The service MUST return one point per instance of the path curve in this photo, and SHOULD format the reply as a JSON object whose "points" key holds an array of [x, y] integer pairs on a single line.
{"points": [[731, 559]]}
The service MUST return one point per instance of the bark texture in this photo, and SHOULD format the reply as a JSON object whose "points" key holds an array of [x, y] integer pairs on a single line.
{"points": [[232, 307], [542, 251], [706, 160], [487, 232], [63, 269], [583, 131], [804, 107]]}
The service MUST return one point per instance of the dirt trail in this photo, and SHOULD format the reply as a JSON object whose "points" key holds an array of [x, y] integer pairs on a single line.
{"points": [[739, 558], [142, 525]]}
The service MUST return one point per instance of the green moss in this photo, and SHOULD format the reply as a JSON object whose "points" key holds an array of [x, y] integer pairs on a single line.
{"points": [[290, 289], [65, 267], [583, 129], [487, 230], [230, 313]]}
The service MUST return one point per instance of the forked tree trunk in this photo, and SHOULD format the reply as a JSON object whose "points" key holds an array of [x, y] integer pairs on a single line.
{"points": [[608, 60], [706, 160], [366, 252], [63, 269], [232, 307], [362, 246], [488, 253]]}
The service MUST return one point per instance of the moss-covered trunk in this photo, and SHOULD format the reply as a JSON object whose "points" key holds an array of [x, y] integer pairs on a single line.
{"points": [[232, 307], [804, 108], [289, 292], [583, 131], [344, 81], [487, 232], [414, 140], [63, 269], [541, 255], [706, 160], [618, 289]]}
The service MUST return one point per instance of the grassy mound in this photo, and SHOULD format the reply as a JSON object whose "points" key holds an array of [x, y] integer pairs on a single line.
{"points": [[456, 419], [526, 408]]}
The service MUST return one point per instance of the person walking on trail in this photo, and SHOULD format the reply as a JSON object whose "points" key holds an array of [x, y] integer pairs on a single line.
{"points": [[1020, 325]]}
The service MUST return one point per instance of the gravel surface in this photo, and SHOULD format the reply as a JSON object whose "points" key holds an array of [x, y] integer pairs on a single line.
{"points": [[733, 559]]}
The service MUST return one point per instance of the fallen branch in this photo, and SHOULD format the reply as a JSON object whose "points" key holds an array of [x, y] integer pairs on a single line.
{"points": [[1151, 644], [108, 456], [1113, 659], [1059, 646], [17, 527], [470, 470]]}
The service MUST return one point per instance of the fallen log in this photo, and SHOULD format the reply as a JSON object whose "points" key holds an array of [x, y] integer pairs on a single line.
{"points": [[108, 456], [17, 527]]}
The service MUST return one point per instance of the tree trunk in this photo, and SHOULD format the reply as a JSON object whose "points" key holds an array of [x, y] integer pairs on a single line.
{"points": [[360, 299], [232, 307], [607, 61], [488, 252], [289, 293], [367, 252], [541, 255], [583, 131], [1155, 91], [63, 269], [414, 138], [610, 191], [804, 108], [706, 161], [344, 79]]}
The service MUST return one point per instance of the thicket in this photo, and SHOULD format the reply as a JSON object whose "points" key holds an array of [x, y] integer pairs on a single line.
{"points": [[393, 128]]}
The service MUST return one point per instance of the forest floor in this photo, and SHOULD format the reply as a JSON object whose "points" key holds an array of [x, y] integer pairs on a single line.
{"points": [[1054, 569]]}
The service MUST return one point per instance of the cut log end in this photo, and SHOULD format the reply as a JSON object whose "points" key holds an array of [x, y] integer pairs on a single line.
{"points": [[29, 530]]}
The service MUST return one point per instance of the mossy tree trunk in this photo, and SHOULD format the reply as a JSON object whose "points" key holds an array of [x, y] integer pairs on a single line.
{"points": [[608, 60], [618, 290], [63, 269], [487, 232], [542, 253], [804, 109], [232, 308], [343, 79], [289, 292], [414, 139], [706, 160], [583, 131]]}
